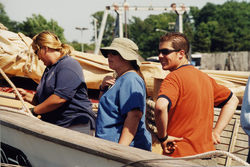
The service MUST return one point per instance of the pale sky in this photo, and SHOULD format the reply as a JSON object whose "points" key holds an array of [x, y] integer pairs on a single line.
{"points": [[70, 14]]}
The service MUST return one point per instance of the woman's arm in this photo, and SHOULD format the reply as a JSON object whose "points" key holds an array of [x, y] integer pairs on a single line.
{"points": [[107, 81], [50, 104], [130, 126], [29, 97]]}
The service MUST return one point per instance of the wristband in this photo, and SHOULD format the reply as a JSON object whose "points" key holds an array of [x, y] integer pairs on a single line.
{"points": [[32, 111], [100, 88], [163, 139]]}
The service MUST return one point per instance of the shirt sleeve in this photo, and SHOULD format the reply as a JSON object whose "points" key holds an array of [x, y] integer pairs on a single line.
{"points": [[170, 90], [132, 94], [221, 94]]}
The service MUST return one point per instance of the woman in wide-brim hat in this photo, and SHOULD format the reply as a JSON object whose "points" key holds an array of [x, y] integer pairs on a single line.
{"points": [[122, 104]]}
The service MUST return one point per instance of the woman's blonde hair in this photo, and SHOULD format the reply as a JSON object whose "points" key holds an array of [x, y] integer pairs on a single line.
{"points": [[50, 40]]}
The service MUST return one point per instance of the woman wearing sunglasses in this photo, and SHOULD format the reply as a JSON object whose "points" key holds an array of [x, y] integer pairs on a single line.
{"points": [[122, 104], [61, 97]]}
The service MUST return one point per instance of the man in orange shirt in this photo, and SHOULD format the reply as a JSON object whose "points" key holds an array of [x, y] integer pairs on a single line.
{"points": [[184, 110]]}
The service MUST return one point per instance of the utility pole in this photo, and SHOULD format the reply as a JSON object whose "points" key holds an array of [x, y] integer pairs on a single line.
{"points": [[125, 4], [81, 35]]}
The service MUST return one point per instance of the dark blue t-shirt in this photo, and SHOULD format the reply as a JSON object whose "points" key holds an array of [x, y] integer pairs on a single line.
{"points": [[65, 79]]}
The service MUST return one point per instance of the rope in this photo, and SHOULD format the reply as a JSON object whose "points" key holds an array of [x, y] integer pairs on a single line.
{"points": [[18, 94], [198, 156], [30, 55], [22, 111]]}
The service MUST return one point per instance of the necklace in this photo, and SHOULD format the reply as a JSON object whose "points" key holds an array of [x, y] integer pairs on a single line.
{"points": [[125, 71]]}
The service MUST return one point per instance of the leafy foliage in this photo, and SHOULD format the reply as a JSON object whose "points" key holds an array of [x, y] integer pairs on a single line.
{"points": [[37, 24], [78, 46], [221, 28], [144, 33], [5, 20]]}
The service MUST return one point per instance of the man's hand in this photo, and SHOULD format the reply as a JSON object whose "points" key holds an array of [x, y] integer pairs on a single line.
{"points": [[170, 145], [216, 137]]}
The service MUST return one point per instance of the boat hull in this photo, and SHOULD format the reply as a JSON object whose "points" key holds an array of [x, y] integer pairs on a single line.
{"points": [[46, 144]]}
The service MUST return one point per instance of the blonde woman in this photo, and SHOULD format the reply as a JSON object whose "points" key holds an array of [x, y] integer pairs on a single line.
{"points": [[61, 97]]}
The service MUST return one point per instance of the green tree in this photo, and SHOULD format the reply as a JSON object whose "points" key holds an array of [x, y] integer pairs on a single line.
{"points": [[202, 38], [227, 25], [5, 20], [144, 33], [78, 46], [37, 24]]}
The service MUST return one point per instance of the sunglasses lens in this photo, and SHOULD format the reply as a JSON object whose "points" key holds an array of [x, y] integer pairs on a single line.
{"points": [[163, 51]]}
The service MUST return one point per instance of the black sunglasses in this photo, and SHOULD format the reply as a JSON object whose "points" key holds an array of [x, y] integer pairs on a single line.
{"points": [[113, 52], [167, 51]]}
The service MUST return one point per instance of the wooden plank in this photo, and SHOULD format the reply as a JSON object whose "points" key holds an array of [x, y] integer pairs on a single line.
{"points": [[13, 103], [243, 137], [225, 140], [235, 163], [241, 143], [7, 95], [233, 141], [221, 161], [242, 131], [226, 134], [242, 152], [241, 156], [222, 147]]}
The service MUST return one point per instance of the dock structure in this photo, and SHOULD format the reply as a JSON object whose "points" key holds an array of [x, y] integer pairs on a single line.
{"points": [[233, 140]]}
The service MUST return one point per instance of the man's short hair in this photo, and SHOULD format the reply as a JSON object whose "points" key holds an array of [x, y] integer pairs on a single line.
{"points": [[178, 40]]}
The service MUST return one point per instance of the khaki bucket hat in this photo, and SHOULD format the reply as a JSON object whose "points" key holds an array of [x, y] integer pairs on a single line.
{"points": [[126, 48]]}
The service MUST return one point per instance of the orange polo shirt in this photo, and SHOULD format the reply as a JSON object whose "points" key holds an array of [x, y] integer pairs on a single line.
{"points": [[192, 95]]}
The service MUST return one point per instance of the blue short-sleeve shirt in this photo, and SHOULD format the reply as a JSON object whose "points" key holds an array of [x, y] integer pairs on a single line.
{"points": [[127, 93], [65, 79]]}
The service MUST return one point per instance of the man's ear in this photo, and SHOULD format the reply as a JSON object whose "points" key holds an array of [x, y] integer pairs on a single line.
{"points": [[182, 54]]}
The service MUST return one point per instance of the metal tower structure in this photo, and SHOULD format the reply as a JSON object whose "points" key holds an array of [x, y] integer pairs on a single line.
{"points": [[120, 10]]}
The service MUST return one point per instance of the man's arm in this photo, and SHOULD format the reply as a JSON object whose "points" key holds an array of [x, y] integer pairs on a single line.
{"points": [[226, 114], [161, 116], [161, 122]]}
